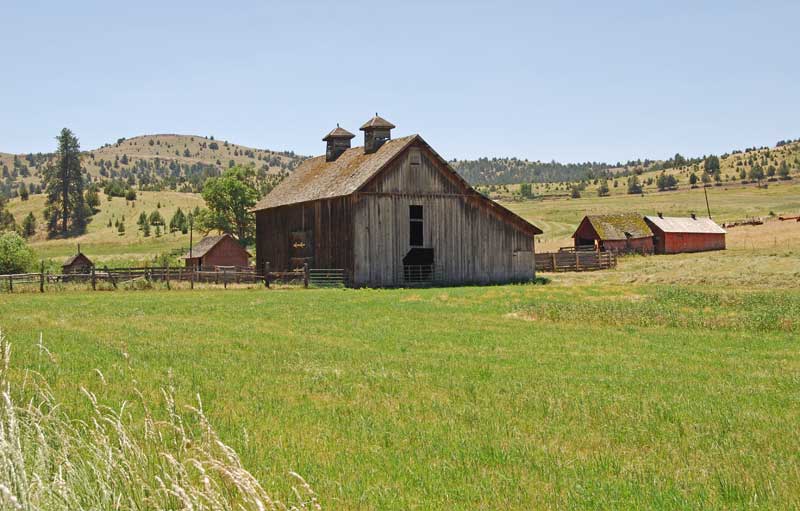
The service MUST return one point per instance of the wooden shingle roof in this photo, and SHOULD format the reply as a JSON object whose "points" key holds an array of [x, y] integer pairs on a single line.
{"points": [[619, 226], [338, 132], [206, 244], [77, 257], [316, 178], [377, 122]]}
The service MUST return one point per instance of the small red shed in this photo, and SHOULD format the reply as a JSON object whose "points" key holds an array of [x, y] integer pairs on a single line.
{"points": [[223, 250], [674, 235], [620, 233]]}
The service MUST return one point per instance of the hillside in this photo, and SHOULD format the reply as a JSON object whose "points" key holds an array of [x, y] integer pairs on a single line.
{"points": [[506, 171], [154, 162], [735, 169]]}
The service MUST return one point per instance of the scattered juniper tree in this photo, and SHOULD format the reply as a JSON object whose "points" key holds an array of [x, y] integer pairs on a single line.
{"points": [[29, 225], [602, 189], [633, 186]]}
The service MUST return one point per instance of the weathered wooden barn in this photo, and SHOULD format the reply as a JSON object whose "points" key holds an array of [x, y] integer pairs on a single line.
{"points": [[390, 213], [212, 251], [620, 233], [77, 263], [673, 235]]}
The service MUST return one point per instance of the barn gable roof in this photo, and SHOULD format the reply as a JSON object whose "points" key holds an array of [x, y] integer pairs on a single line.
{"points": [[316, 179], [205, 245], [619, 226], [686, 225], [75, 258]]}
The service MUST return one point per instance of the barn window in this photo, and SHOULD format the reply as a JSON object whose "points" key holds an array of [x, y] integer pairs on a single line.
{"points": [[415, 226], [416, 158]]}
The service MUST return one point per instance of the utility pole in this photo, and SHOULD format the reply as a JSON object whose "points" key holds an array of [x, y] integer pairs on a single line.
{"points": [[705, 191]]}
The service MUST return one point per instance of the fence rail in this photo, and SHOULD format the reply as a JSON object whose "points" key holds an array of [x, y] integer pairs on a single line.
{"points": [[170, 275], [575, 260]]}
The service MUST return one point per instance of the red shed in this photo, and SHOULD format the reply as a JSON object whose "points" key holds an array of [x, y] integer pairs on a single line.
{"points": [[673, 235], [222, 250], [620, 233]]}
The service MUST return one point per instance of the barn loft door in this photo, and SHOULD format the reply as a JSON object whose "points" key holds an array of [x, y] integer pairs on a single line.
{"points": [[301, 249]]}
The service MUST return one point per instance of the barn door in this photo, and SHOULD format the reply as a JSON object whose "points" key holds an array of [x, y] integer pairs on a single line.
{"points": [[301, 249]]}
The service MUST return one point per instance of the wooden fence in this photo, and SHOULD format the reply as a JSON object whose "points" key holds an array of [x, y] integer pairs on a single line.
{"points": [[575, 260], [169, 276]]}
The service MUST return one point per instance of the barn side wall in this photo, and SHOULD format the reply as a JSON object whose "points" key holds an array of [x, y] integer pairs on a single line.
{"points": [[227, 252], [328, 224], [471, 244], [676, 243]]}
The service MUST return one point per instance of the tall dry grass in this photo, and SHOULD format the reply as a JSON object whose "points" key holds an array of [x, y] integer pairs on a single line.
{"points": [[110, 461]]}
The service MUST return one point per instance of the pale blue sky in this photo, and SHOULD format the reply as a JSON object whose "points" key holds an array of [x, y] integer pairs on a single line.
{"points": [[571, 81]]}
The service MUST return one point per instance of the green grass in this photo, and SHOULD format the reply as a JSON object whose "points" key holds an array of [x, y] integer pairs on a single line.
{"points": [[512, 397]]}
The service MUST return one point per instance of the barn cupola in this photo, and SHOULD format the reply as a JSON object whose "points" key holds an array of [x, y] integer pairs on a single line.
{"points": [[376, 131], [338, 142]]}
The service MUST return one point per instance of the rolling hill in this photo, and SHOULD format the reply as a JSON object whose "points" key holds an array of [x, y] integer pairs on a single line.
{"points": [[154, 162]]}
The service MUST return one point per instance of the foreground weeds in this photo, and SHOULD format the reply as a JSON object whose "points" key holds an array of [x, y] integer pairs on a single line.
{"points": [[49, 461]]}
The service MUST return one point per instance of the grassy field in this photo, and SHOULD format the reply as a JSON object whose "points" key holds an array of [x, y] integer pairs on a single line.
{"points": [[612, 390], [668, 382]]}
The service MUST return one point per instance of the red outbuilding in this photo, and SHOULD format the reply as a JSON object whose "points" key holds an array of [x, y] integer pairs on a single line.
{"points": [[213, 251], [673, 235], [620, 233]]}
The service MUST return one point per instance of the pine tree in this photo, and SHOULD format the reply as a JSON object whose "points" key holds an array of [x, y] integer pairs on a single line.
{"points": [[142, 222], [121, 229], [146, 230], [63, 181], [23, 192]]}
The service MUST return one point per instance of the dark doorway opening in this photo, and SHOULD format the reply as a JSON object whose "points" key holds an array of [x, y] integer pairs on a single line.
{"points": [[418, 266]]}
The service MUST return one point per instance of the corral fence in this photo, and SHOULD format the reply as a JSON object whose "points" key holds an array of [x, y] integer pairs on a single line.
{"points": [[220, 275], [575, 260]]}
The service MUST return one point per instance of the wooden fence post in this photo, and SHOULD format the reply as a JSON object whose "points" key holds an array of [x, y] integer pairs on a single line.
{"points": [[94, 280], [305, 275], [111, 277], [168, 276], [554, 260], [191, 277], [41, 278], [10, 284], [577, 261]]}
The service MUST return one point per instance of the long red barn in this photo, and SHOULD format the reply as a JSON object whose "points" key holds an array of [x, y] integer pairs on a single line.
{"points": [[674, 235]]}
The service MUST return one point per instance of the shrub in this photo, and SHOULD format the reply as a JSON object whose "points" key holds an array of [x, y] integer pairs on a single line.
{"points": [[15, 255]]}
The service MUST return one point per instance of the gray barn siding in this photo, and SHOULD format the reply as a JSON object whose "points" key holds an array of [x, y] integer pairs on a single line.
{"points": [[471, 245]]}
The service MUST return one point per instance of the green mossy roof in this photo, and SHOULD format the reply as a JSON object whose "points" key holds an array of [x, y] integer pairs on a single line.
{"points": [[620, 226]]}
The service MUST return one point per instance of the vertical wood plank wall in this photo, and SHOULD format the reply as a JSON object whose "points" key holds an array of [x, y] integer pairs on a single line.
{"points": [[471, 245]]}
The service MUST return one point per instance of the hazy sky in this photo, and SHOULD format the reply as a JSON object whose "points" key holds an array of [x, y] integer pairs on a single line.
{"points": [[571, 81]]}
